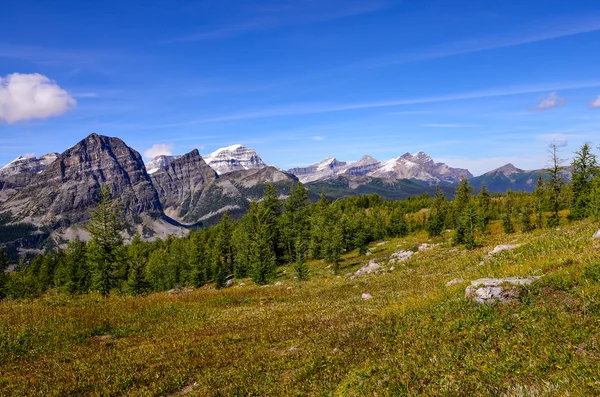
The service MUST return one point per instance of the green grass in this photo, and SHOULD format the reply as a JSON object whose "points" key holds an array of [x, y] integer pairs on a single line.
{"points": [[318, 338]]}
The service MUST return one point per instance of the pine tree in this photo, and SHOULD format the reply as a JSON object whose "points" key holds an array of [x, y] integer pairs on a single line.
{"points": [[555, 183], [261, 254], [4, 264], [302, 272], [539, 195], [198, 258], [77, 275], [106, 244], [470, 224], [137, 257], [584, 166], [294, 221], [437, 217], [460, 202], [220, 272], [525, 218], [507, 223], [484, 204]]}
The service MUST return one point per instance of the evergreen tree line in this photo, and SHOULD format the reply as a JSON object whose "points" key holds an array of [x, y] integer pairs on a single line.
{"points": [[276, 233]]}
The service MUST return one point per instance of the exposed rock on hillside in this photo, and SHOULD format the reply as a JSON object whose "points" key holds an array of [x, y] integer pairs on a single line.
{"points": [[490, 290]]}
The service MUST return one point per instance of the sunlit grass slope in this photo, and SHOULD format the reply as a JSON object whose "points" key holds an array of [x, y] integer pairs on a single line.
{"points": [[415, 337]]}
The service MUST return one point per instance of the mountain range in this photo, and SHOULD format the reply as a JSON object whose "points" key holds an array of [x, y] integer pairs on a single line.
{"points": [[51, 196]]}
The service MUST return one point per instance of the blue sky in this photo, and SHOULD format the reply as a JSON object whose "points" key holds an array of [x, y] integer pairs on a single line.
{"points": [[476, 84]]}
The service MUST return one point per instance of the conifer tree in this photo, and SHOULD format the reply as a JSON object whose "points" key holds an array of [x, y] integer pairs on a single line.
{"points": [[584, 166], [507, 215], [539, 195], [484, 203], [261, 254], [220, 272], [460, 202], [470, 224], [137, 257], [302, 272], [555, 183], [525, 218], [78, 274], [106, 245], [198, 258], [4, 264], [437, 216]]}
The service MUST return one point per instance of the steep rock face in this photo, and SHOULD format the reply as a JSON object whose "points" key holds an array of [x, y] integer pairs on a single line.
{"points": [[27, 165], [159, 162], [234, 158], [67, 189], [181, 181], [324, 169]]}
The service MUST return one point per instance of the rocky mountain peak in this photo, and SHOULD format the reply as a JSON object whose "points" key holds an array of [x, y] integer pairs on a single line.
{"points": [[67, 189], [507, 170], [234, 158]]}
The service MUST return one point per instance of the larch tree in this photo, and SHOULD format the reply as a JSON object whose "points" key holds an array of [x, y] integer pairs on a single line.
{"points": [[105, 248]]}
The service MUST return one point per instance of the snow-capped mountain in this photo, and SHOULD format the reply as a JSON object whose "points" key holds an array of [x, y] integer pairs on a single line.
{"points": [[32, 165], [419, 166], [233, 158], [321, 170], [159, 162]]}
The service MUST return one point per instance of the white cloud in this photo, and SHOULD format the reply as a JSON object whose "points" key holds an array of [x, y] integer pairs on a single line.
{"points": [[596, 104], [29, 155], [31, 96], [159, 149], [318, 138], [550, 101]]}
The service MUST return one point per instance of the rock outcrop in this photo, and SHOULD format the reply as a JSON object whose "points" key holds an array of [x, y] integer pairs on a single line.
{"points": [[491, 290]]}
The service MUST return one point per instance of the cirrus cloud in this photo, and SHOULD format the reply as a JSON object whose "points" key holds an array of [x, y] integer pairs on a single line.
{"points": [[159, 149], [32, 96]]}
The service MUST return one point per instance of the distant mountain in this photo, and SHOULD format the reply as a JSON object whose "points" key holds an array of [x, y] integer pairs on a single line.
{"points": [[508, 177], [234, 158], [364, 166], [392, 189], [179, 181], [321, 170], [159, 162], [27, 165], [420, 167]]}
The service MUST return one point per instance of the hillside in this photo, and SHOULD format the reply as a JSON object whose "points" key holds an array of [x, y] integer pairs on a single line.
{"points": [[414, 337]]}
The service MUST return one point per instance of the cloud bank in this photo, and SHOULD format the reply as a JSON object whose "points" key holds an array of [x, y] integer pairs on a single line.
{"points": [[159, 149], [31, 96]]}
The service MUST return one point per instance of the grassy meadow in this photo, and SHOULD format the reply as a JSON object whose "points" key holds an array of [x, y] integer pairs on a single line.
{"points": [[319, 338]]}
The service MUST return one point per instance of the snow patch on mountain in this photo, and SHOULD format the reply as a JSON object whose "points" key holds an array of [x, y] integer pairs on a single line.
{"points": [[23, 164], [159, 162], [234, 158]]}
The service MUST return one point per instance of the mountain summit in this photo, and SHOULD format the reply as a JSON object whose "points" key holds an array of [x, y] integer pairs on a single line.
{"points": [[234, 158]]}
